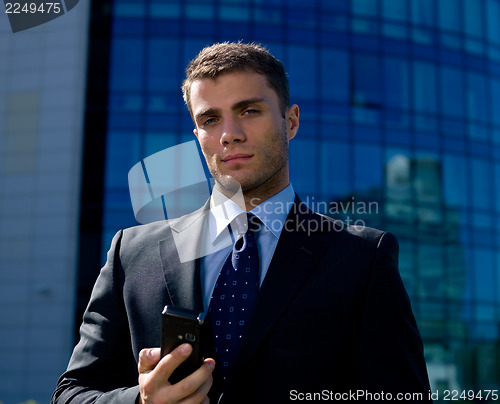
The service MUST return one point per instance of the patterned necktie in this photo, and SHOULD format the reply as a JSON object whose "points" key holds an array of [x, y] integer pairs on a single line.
{"points": [[234, 296]]}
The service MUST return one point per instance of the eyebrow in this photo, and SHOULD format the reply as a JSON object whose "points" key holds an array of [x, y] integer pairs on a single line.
{"points": [[239, 105], [246, 103]]}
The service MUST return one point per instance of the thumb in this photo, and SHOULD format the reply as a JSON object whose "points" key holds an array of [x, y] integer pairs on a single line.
{"points": [[148, 359]]}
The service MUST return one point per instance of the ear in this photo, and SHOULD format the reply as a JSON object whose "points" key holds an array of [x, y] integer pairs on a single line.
{"points": [[292, 121]]}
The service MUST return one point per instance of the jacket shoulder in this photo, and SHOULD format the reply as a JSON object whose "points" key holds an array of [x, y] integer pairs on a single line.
{"points": [[362, 234]]}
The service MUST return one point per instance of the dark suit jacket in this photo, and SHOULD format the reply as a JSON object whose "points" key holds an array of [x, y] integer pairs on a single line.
{"points": [[332, 315]]}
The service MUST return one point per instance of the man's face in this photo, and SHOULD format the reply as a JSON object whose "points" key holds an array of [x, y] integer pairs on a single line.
{"points": [[242, 132]]}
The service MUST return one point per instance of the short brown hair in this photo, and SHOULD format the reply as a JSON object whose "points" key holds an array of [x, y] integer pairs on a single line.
{"points": [[227, 57]]}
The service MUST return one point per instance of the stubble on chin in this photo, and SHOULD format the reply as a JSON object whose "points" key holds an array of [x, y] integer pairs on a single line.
{"points": [[228, 183]]}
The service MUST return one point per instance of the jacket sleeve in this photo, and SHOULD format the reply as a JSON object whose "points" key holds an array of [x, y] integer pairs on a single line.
{"points": [[391, 351], [102, 368]]}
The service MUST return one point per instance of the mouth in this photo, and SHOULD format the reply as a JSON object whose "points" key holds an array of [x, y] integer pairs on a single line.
{"points": [[236, 158]]}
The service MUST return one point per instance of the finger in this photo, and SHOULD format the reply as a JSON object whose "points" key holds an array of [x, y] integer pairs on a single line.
{"points": [[200, 396], [171, 361], [148, 358], [206, 386], [196, 386]]}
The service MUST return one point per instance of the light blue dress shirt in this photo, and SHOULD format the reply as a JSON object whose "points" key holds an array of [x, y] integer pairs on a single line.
{"points": [[272, 213]]}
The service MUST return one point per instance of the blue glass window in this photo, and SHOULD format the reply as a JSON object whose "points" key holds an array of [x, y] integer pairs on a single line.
{"points": [[394, 9], [496, 187], [426, 37], [424, 87], [267, 15], [126, 102], [125, 121], [127, 64], [122, 152], [367, 83], [498, 280], [484, 276], [368, 168], [302, 173], [308, 122], [423, 12], [455, 184], [128, 26], [161, 8], [366, 7], [269, 2], [395, 31], [155, 142], [311, 5], [302, 71], [495, 100], [200, 11], [132, 8], [452, 91], [477, 97], [234, 13], [473, 17], [453, 42], [163, 65], [334, 75], [365, 26], [431, 271], [396, 83], [482, 192], [449, 14], [300, 18], [480, 132], [335, 169], [165, 103], [492, 13], [160, 121], [340, 5], [397, 137]]}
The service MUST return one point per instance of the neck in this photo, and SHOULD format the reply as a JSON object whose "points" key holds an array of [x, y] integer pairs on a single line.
{"points": [[253, 199], [248, 199]]}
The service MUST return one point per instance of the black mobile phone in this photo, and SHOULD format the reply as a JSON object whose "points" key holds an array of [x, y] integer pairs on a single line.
{"points": [[182, 326]]}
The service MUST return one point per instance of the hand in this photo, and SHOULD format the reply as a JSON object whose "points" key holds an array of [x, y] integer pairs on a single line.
{"points": [[154, 386]]}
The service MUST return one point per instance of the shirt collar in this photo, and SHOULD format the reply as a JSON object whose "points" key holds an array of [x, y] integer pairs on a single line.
{"points": [[222, 212], [272, 212]]}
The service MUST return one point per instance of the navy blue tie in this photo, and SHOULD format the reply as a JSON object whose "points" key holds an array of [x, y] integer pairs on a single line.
{"points": [[234, 295]]}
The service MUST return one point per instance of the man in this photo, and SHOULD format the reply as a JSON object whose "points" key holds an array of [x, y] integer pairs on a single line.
{"points": [[331, 315]]}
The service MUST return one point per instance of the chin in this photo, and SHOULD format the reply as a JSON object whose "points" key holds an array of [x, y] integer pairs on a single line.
{"points": [[228, 182], [234, 184]]}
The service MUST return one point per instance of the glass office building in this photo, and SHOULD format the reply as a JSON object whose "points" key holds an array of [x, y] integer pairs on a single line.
{"points": [[400, 129]]}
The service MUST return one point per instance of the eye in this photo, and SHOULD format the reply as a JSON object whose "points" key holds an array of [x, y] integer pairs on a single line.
{"points": [[209, 121], [250, 112]]}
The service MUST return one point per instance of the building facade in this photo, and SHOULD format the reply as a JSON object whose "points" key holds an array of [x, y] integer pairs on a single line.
{"points": [[42, 104]]}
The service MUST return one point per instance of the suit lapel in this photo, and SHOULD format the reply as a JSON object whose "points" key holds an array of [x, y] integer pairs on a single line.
{"points": [[297, 254], [180, 259]]}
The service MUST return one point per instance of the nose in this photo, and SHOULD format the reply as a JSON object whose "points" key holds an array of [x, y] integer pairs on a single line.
{"points": [[232, 132]]}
